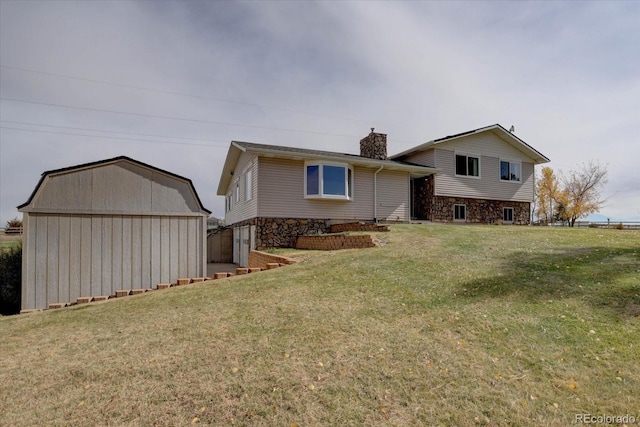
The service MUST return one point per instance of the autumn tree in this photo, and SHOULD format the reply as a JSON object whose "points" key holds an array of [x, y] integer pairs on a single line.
{"points": [[547, 189], [581, 190]]}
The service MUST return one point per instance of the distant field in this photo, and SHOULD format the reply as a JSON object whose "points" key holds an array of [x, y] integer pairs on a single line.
{"points": [[439, 325], [9, 241]]}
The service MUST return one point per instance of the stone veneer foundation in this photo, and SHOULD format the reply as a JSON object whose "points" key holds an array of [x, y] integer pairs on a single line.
{"points": [[284, 232], [479, 211]]}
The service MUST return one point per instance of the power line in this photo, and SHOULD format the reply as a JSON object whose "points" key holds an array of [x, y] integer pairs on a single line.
{"points": [[112, 137], [176, 118], [108, 131], [170, 92]]}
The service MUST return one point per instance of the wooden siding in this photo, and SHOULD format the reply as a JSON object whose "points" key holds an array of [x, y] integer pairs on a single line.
{"points": [[488, 186], [120, 187], [242, 209], [281, 194], [68, 256]]}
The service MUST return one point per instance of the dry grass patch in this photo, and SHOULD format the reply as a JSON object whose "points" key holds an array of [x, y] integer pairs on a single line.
{"points": [[443, 325]]}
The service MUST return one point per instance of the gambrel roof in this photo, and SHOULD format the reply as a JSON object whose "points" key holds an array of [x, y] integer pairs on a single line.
{"points": [[117, 185]]}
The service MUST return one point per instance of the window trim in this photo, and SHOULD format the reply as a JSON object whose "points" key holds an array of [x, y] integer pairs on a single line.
{"points": [[455, 205], [349, 178], [467, 155], [504, 211], [518, 162]]}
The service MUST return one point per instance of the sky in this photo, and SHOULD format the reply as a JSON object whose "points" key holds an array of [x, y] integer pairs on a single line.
{"points": [[171, 84]]}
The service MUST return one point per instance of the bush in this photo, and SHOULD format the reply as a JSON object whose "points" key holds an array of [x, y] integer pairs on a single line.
{"points": [[10, 280], [619, 226]]}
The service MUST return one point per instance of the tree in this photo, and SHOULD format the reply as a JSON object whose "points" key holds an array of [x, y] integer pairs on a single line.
{"points": [[547, 189], [581, 189]]}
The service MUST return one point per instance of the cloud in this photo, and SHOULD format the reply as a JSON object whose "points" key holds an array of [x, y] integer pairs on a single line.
{"points": [[564, 73]]}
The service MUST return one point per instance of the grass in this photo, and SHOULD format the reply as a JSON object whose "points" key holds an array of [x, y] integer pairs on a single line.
{"points": [[439, 325]]}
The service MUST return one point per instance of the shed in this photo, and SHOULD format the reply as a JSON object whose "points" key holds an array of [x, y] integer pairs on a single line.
{"points": [[115, 224]]}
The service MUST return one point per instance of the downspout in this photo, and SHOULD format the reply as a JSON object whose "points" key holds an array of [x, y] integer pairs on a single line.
{"points": [[375, 194]]}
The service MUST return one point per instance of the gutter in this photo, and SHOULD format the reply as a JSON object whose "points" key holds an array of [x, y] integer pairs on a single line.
{"points": [[375, 194]]}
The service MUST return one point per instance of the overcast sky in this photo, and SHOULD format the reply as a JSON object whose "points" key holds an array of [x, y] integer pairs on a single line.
{"points": [[172, 83]]}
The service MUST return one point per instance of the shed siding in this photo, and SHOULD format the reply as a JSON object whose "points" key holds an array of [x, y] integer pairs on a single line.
{"points": [[281, 190], [68, 256], [488, 186]]}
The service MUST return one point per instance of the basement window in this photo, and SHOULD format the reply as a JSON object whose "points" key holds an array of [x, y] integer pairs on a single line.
{"points": [[459, 212], [323, 180], [507, 215]]}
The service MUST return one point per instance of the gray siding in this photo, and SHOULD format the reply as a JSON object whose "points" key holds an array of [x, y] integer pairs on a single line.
{"points": [[281, 190], [69, 256]]}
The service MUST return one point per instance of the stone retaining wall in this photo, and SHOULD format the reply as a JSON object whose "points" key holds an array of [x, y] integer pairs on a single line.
{"points": [[330, 242], [357, 226]]}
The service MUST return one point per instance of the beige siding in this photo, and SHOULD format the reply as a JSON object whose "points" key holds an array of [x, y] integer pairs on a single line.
{"points": [[488, 186], [424, 158], [393, 196], [67, 256], [119, 187], [242, 209], [281, 190], [487, 144]]}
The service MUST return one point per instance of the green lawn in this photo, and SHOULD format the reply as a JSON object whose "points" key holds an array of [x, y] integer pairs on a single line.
{"points": [[439, 325]]}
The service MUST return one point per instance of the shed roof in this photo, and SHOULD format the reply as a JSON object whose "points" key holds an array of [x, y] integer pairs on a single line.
{"points": [[27, 206]]}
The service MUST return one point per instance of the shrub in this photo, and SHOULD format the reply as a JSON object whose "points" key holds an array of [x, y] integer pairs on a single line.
{"points": [[619, 226], [15, 222], [10, 280]]}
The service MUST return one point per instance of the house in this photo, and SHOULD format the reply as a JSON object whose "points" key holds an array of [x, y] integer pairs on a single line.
{"points": [[116, 224], [484, 176], [274, 194]]}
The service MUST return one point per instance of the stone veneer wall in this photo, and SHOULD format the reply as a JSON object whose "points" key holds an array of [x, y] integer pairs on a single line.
{"points": [[422, 193], [479, 210], [284, 232]]}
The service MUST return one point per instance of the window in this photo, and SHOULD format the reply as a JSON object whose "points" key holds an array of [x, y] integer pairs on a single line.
{"points": [[467, 165], [507, 215], [509, 171], [328, 181], [248, 193], [459, 212], [228, 204]]}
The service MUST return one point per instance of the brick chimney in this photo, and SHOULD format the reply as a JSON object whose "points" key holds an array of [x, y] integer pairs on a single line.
{"points": [[374, 146]]}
